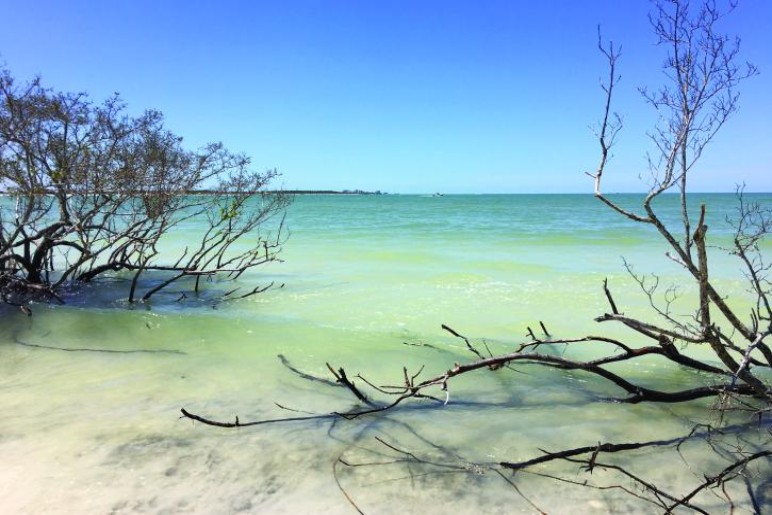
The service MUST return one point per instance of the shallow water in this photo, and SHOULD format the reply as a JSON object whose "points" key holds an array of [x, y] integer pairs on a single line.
{"points": [[90, 392]]}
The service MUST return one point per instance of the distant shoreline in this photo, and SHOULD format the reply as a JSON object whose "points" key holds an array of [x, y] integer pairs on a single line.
{"points": [[212, 192]]}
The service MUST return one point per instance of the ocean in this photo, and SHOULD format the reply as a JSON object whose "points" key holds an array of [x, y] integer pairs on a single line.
{"points": [[90, 392]]}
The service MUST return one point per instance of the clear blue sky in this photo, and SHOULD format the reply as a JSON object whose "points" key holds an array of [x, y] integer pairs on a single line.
{"points": [[395, 95]]}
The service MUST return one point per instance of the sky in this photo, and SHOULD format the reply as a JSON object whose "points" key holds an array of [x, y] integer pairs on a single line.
{"points": [[402, 96]]}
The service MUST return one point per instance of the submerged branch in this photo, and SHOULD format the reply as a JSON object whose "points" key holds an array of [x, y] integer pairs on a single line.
{"points": [[237, 423]]}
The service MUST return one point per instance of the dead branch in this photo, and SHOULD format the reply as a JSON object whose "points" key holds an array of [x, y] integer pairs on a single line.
{"points": [[237, 423], [340, 377], [720, 477], [466, 340]]}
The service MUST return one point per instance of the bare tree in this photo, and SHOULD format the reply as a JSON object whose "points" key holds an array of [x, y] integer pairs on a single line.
{"points": [[702, 67], [700, 97], [92, 191]]}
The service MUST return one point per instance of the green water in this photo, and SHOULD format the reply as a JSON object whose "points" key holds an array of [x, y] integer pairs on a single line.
{"points": [[368, 281]]}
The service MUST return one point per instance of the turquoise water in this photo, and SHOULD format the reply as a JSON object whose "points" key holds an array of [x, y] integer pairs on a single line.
{"points": [[85, 430]]}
